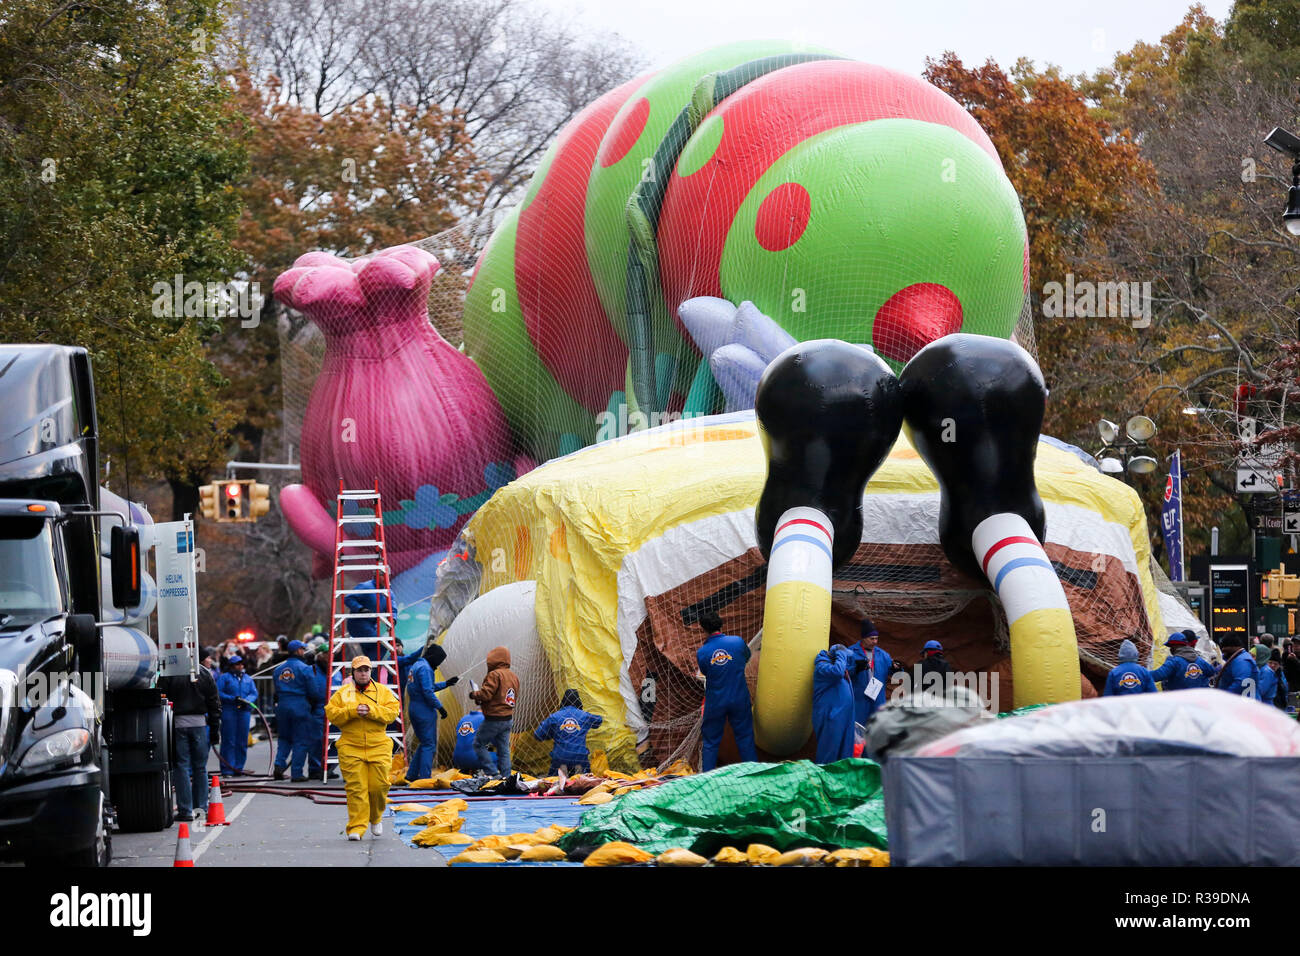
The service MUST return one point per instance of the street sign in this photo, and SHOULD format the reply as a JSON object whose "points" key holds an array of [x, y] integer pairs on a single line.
{"points": [[1269, 522], [1291, 522], [1267, 456], [1255, 480]]}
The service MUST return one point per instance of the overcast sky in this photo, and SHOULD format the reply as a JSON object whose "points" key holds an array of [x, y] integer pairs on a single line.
{"points": [[1079, 37]]}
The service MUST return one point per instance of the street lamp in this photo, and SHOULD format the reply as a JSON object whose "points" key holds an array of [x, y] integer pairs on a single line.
{"points": [[1289, 145], [1131, 454]]}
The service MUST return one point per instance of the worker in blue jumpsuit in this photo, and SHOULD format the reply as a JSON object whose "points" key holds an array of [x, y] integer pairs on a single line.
{"points": [[832, 707], [320, 674], [872, 666], [1183, 669], [1240, 673], [362, 627], [424, 707], [404, 664], [568, 727], [463, 757], [1267, 676], [1128, 677], [722, 660], [296, 695], [238, 694]]}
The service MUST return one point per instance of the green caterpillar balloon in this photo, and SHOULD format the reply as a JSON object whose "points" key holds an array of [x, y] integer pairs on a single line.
{"points": [[842, 200]]}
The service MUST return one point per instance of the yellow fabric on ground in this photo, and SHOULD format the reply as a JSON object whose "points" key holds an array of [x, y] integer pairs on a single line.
{"points": [[857, 856], [477, 856], [542, 854], [431, 837], [679, 857], [730, 856], [441, 780], [617, 853], [761, 853]]}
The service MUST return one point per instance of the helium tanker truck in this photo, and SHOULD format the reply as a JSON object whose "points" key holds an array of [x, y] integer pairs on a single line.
{"points": [[85, 736]]}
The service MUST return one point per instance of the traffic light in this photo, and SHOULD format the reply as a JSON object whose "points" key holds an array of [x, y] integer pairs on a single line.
{"points": [[234, 494], [259, 500], [208, 502], [1278, 587]]}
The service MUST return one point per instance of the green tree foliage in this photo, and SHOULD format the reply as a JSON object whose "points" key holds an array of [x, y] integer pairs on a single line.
{"points": [[119, 172], [1210, 241], [1076, 177], [1153, 171]]}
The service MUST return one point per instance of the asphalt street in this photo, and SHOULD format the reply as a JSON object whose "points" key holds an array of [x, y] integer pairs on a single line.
{"points": [[268, 829]]}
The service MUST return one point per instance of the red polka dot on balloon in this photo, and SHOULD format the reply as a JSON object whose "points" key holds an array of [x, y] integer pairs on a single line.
{"points": [[782, 217], [620, 140], [913, 317]]}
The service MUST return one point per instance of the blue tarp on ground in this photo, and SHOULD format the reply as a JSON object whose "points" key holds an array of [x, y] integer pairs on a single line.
{"points": [[500, 815]]}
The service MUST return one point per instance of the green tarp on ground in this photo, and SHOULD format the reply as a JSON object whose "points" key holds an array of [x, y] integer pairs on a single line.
{"points": [[784, 805]]}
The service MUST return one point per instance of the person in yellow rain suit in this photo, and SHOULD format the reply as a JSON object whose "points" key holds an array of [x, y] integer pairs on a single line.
{"points": [[362, 711]]}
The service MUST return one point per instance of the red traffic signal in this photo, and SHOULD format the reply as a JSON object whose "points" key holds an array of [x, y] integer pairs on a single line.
{"points": [[233, 490]]}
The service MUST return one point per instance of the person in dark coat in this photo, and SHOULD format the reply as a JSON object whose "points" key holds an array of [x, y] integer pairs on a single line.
{"points": [[1291, 663], [932, 662], [196, 709]]}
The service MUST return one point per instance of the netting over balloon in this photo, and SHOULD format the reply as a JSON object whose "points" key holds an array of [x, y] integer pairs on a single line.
{"points": [[561, 393]]}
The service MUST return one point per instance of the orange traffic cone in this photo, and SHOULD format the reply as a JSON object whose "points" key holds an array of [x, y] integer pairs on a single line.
{"points": [[216, 808], [184, 855]]}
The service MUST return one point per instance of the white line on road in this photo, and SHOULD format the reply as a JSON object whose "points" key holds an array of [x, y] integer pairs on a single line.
{"points": [[217, 831]]}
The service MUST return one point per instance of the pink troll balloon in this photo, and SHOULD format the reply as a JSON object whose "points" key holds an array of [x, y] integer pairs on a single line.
{"points": [[394, 401]]}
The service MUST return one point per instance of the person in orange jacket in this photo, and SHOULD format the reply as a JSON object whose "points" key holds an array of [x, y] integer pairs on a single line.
{"points": [[362, 711], [497, 697]]}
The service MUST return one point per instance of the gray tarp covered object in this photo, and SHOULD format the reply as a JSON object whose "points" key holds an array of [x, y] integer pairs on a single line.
{"points": [[1182, 778]]}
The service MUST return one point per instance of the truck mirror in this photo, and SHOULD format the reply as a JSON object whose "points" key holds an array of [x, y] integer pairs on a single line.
{"points": [[83, 635], [125, 559]]}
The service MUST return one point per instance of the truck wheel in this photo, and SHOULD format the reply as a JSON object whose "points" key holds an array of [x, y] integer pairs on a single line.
{"points": [[143, 801]]}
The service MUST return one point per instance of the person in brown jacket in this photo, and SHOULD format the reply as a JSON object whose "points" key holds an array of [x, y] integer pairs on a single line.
{"points": [[497, 696]]}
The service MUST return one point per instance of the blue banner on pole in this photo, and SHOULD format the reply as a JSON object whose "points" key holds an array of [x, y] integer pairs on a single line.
{"points": [[1171, 517]]}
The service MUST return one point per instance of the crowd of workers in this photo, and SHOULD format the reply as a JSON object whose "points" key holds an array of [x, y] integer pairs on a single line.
{"points": [[1265, 672], [217, 709], [849, 685]]}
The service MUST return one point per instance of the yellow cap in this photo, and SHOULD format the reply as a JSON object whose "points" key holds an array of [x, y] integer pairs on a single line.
{"points": [[360, 661]]}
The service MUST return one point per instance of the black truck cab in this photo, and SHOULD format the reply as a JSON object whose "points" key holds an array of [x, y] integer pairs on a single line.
{"points": [[57, 715]]}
